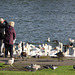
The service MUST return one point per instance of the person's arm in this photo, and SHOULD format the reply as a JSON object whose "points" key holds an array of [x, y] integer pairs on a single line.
{"points": [[2, 25], [6, 23], [14, 35]]}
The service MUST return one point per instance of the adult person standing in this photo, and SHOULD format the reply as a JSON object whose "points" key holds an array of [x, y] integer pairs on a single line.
{"points": [[9, 37], [2, 28]]}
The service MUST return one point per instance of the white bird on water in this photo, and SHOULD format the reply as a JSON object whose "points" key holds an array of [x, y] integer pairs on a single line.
{"points": [[48, 40], [71, 40]]}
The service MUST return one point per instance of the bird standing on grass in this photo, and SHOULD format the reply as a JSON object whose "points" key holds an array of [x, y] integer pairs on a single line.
{"points": [[10, 61]]}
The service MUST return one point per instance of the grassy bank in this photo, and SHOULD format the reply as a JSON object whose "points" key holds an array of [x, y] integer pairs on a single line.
{"points": [[61, 70]]}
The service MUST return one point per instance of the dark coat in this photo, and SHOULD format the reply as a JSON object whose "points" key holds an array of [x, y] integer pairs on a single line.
{"points": [[2, 27], [10, 35]]}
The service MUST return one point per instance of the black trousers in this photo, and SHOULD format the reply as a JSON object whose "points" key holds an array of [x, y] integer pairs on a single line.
{"points": [[10, 49], [1, 42]]}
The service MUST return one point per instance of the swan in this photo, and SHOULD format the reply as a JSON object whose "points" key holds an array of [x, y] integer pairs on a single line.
{"points": [[71, 40]]}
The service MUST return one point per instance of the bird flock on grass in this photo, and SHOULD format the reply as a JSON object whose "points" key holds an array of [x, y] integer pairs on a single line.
{"points": [[23, 49]]}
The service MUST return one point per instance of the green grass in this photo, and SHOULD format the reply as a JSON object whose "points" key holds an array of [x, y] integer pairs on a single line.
{"points": [[2, 65], [61, 70]]}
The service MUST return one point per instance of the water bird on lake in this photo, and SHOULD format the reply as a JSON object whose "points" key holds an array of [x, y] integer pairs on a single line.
{"points": [[68, 46], [71, 40], [56, 41], [48, 40]]}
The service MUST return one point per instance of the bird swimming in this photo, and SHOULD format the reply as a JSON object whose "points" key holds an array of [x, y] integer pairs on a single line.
{"points": [[48, 40], [71, 40]]}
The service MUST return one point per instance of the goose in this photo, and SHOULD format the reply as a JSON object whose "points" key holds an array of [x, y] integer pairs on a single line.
{"points": [[56, 41], [23, 54], [68, 46]]}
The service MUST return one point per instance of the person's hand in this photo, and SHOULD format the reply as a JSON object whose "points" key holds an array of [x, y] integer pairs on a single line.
{"points": [[3, 20]]}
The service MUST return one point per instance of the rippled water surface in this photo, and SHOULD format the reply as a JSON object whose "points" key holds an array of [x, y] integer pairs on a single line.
{"points": [[36, 20]]}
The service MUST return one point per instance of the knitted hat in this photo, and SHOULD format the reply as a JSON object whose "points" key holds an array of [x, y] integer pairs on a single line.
{"points": [[11, 23]]}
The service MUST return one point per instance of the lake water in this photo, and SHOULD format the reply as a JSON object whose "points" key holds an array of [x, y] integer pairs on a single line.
{"points": [[36, 20]]}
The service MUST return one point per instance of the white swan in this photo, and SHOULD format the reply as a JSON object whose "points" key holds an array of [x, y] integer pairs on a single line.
{"points": [[71, 40]]}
